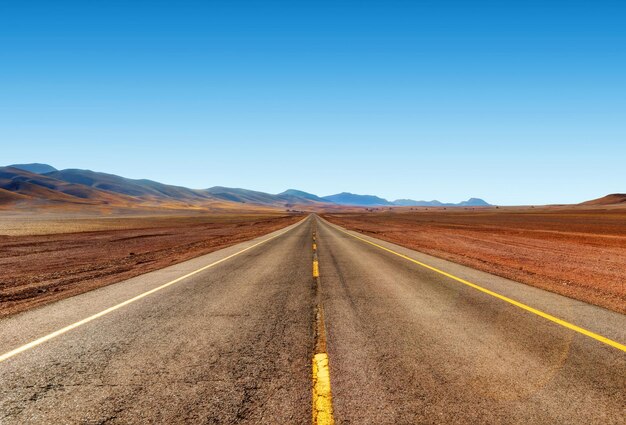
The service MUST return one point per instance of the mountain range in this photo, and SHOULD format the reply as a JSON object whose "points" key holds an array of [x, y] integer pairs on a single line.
{"points": [[42, 184]]}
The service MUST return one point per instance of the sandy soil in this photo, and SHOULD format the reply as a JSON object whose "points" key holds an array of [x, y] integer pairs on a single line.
{"points": [[47, 258], [577, 252]]}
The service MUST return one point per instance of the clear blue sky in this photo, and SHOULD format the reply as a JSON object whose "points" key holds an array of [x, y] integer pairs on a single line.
{"points": [[514, 101]]}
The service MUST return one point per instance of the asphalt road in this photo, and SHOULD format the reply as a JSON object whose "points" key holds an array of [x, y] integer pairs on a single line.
{"points": [[234, 343]]}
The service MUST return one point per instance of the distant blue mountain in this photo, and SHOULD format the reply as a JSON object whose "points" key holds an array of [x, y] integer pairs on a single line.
{"points": [[412, 203], [472, 202], [35, 168], [346, 198], [302, 195], [351, 199]]}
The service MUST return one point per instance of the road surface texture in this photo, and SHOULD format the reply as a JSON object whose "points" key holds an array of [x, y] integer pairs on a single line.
{"points": [[233, 342]]}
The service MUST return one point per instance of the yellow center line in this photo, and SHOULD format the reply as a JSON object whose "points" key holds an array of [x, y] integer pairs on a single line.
{"points": [[75, 325], [322, 410], [540, 313], [322, 397]]}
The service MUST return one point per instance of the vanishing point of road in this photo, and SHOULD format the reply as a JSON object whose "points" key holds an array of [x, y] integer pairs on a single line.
{"points": [[314, 324]]}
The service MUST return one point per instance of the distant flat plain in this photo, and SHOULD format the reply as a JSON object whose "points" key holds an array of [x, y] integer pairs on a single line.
{"points": [[579, 252]]}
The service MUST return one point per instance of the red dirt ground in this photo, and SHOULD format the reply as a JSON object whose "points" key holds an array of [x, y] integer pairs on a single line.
{"points": [[40, 268], [577, 252]]}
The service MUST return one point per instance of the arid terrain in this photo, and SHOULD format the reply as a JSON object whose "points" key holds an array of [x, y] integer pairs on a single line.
{"points": [[46, 257], [579, 252]]}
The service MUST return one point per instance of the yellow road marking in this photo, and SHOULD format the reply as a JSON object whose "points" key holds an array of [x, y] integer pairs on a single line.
{"points": [[322, 397], [540, 313], [75, 325]]}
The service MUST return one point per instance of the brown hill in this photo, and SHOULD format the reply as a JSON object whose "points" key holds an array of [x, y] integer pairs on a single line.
{"points": [[25, 189], [246, 196], [75, 186], [612, 199], [24, 185], [145, 189], [7, 197]]}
